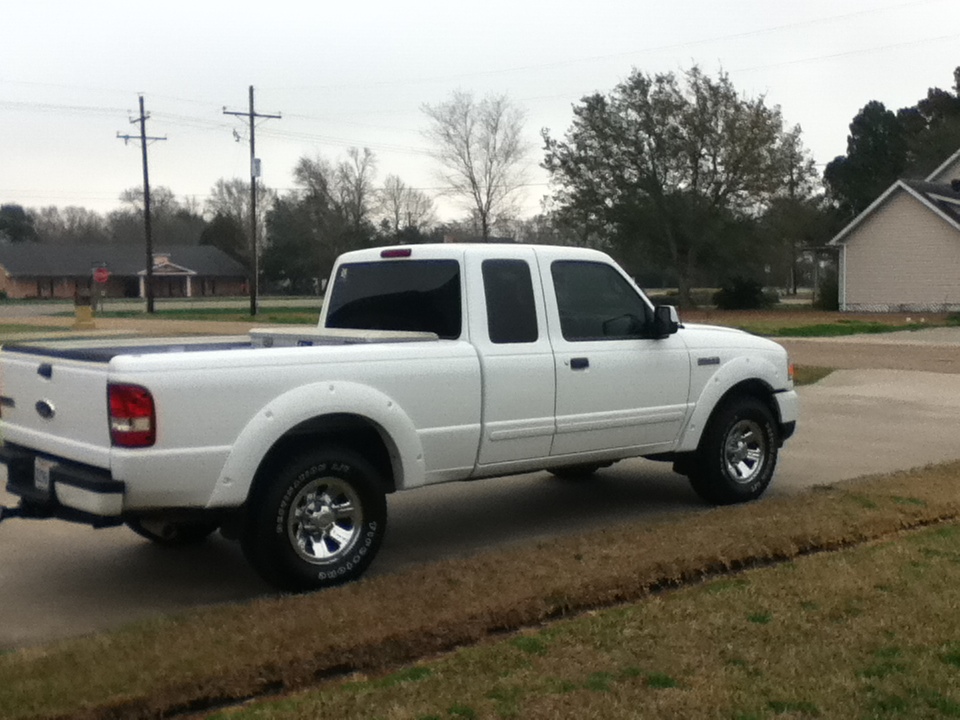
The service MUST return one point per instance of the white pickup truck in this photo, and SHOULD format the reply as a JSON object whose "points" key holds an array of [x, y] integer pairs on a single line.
{"points": [[431, 363]]}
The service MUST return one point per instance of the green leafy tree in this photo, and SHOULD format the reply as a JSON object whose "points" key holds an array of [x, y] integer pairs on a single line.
{"points": [[876, 157], [16, 224], [226, 233], [673, 170], [932, 129], [291, 262], [884, 146]]}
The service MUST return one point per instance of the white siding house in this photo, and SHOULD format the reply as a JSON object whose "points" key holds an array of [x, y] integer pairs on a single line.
{"points": [[903, 252], [950, 170]]}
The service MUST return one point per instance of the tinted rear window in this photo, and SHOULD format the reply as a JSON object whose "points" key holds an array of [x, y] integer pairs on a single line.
{"points": [[511, 309], [413, 295]]}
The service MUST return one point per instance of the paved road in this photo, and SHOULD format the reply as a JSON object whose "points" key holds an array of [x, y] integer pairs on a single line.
{"points": [[60, 580]]}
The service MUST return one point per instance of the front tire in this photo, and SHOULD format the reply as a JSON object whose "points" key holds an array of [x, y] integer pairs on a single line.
{"points": [[737, 453], [319, 523]]}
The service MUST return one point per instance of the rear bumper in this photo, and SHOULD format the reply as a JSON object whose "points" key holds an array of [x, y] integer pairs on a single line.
{"points": [[71, 491]]}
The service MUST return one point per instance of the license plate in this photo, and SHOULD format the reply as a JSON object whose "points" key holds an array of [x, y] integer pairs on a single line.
{"points": [[41, 473]]}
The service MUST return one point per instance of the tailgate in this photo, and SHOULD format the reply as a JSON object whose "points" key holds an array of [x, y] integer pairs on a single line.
{"points": [[55, 406]]}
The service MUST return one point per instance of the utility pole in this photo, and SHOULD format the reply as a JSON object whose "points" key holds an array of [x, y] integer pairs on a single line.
{"points": [[254, 174], [148, 281]]}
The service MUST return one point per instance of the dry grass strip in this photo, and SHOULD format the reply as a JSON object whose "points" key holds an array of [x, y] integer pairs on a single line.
{"points": [[218, 655]]}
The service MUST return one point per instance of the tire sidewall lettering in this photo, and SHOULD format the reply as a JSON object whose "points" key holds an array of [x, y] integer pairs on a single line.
{"points": [[357, 559]]}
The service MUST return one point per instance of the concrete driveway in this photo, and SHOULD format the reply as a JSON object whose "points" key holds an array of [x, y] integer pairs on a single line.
{"points": [[60, 580]]}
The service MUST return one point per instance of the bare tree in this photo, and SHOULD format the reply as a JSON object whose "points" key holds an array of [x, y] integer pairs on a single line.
{"points": [[70, 225], [481, 152], [404, 206], [334, 204], [231, 198], [355, 185]]}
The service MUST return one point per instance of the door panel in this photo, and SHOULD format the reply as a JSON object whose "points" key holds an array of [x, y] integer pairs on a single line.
{"points": [[616, 386], [509, 331], [632, 393]]}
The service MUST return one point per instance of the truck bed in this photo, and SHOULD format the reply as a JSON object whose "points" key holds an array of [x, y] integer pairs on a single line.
{"points": [[104, 350]]}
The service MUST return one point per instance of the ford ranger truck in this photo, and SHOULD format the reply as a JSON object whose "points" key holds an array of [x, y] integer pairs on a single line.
{"points": [[429, 364]]}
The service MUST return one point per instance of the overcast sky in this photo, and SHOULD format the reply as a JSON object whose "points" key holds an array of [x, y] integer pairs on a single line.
{"points": [[348, 74]]}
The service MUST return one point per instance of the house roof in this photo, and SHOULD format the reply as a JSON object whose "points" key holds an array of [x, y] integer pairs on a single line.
{"points": [[943, 167], [940, 198], [44, 260]]}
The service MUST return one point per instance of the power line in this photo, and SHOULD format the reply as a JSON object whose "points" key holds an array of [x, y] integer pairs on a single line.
{"points": [[626, 53]]}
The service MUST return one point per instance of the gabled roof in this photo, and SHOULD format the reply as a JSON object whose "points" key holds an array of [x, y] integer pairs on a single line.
{"points": [[43, 260], [941, 199], [935, 175]]}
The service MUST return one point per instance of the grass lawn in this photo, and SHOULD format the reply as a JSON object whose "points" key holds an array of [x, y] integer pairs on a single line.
{"points": [[871, 632], [792, 322], [840, 603], [8, 329]]}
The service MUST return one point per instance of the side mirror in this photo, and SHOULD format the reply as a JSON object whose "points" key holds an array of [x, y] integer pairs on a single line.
{"points": [[665, 321]]}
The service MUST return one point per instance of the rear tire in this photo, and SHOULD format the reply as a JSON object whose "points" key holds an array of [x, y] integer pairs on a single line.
{"points": [[737, 453], [318, 523]]}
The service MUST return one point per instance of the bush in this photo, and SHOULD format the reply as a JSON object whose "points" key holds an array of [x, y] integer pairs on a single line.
{"points": [[828, 292], [740, 293]]}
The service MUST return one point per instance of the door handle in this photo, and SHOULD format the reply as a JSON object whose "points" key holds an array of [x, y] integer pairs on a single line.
{"points": [[579, 363]]}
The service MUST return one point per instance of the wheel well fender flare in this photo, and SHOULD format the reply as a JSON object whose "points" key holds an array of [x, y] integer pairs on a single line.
{"points": [[744, 376], [309, 404]]}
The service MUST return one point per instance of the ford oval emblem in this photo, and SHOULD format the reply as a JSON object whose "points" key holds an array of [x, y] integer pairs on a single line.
{"points": [[45, 409]]}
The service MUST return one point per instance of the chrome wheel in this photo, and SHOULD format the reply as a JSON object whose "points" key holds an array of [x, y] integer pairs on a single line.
{"points": [[744, 451], [325, 520]]}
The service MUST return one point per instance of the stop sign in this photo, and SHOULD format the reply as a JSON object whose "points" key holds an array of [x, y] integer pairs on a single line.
{"points": [[101, 275]]}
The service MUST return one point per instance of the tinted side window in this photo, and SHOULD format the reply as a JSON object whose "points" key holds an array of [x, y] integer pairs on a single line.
{"points": [[417, 295], [596, 303], [511, 310]]}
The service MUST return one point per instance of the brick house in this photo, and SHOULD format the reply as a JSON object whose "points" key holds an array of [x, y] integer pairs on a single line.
{"points": [[37, 270]]}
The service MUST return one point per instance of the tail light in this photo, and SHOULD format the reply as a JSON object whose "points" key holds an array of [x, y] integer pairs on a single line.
{"points": [[133, 418]]}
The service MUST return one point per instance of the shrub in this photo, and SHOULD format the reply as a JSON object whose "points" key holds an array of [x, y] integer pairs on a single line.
{"points": [[740, 293], [828, 292]]}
